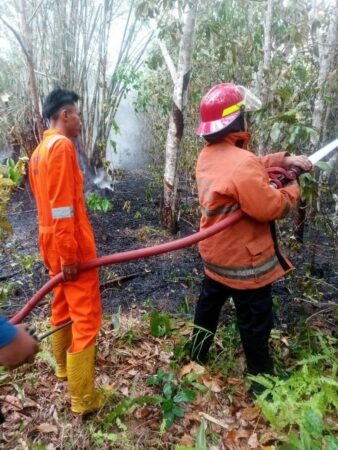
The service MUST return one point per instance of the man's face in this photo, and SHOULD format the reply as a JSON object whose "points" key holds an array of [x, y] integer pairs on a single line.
{"points": [[72, 120]]}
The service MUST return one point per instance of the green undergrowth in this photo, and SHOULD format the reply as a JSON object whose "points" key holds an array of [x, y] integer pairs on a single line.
{"points": [[165, 389], [11, 175], [97, 203], [305, 403]]}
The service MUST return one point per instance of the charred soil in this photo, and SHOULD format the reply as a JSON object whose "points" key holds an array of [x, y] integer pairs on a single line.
{"points": [[169, 282]]}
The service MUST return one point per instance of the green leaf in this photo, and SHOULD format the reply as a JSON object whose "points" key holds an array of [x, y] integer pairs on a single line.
{"points": [[305, 439], [290, 447], [168, 405], [97, 203], [294, 441], [159, 324], [11, 163], [123, 407], [201, 440], [184, 396], [168, 390], [275, 132], [331, 442], [178, 411], [113, 144], [169, 418], [323, 165], [116, 322], [313, 423]]}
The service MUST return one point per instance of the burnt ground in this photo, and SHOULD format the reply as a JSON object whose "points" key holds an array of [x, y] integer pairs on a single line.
{"points": [[169, 282]]}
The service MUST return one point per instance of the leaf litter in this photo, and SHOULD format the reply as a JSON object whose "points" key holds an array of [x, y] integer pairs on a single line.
{"points": [[37, 411]]}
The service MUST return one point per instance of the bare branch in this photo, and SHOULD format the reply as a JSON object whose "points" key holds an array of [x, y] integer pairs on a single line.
{"points": [[168, 60], [35, 11], [18, 37]]}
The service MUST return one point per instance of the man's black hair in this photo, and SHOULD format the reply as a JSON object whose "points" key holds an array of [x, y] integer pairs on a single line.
{"points": [[56, 100], [237, 125]]}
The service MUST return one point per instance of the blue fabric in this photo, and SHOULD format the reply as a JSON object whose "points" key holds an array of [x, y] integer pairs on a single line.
{"points": [[7, 332]]}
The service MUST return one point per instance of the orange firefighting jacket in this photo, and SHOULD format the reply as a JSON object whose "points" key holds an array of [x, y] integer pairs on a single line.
{"points": [[244, 255], [57, 184]]}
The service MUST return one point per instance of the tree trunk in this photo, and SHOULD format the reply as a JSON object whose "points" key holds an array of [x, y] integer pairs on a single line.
{"points": [[176, 121], [268, 39], [27, 39], [26, 43], [263, 72], [327, 51]]}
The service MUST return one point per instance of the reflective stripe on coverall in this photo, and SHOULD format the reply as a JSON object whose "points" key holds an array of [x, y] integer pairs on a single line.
{"points": [[65, 235], [229, 177]]}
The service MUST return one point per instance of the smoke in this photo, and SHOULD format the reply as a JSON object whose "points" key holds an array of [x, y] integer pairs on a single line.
{"points": [[103, 180], [96, 179]]}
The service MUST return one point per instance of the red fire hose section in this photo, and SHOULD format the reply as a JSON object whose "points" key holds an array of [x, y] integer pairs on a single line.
{"points": [[129, 256]]}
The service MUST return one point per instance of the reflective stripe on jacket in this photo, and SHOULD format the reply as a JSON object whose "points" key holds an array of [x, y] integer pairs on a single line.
{"points": [[57, 185], [244, 255]]}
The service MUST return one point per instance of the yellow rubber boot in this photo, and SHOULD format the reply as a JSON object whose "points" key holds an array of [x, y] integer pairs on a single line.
{"points": [[80, 371], [61, 341]]}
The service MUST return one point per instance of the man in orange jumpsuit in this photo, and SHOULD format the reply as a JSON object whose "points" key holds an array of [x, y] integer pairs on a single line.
{"points": [[244, 259], [66, 239]]}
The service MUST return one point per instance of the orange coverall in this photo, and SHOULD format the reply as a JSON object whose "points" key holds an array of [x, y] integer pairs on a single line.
{"points": [[65, 235], [244, 255]]}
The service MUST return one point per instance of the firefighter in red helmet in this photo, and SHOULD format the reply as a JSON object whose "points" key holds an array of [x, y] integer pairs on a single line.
{"points": [[243, 260]]}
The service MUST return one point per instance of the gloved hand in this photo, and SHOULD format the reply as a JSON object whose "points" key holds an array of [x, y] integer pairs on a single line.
{"points": [[70, 271], [21, 350]]}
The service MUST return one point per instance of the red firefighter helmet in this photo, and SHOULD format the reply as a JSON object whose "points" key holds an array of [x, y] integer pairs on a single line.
{"points": [[222, 104]]}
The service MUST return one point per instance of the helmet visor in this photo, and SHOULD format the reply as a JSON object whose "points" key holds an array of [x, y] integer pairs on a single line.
{"points": [[251, 102]]}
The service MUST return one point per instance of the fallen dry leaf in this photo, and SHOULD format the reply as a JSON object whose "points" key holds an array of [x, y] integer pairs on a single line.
{"points": [[187, 440], [253, 441], [214, 384], [229, 440], [250, 413], [10, 402], [268, 437], [24, 445], [193, 416], [142, 413], [29, 403], [243, 433], [234, 381], [192, 367], [165, 357], [47, 428], [285, 341], [211, 419], [124, 390]]}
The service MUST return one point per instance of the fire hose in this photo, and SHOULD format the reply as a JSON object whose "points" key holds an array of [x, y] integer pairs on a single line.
{"points": [[279, 178], [129, 256]]}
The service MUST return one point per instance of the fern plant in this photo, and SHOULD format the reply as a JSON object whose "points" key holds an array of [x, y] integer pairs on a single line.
{"points": [[304, 400]]}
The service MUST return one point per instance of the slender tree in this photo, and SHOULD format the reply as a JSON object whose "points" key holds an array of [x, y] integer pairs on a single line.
{"points": [[25, 40], [176, 121], [327, 50]]}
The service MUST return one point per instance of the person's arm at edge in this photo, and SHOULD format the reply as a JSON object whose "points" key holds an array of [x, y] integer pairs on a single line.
{"points": [[17, 346]]}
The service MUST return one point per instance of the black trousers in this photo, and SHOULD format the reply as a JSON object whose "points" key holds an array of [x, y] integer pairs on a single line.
{"points": [[254, 318]]}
